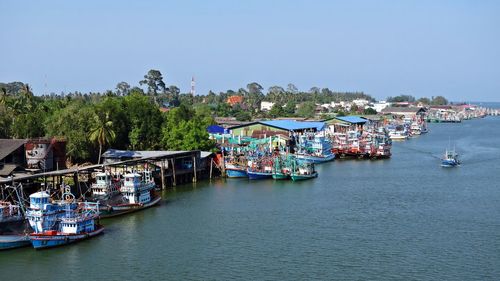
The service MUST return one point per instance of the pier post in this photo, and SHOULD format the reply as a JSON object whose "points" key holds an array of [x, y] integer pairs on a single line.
{"points": [[162, 169], [174, 183], [194, 168], [211, 167]]}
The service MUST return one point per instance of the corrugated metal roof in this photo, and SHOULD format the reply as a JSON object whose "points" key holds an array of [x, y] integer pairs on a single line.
{"points": [[7, 146], [292, 125], [7, 169], [119, 154], [352, 119]]}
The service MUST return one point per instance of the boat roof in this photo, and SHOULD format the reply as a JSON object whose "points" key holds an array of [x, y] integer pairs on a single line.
{"points": [[40, 194], [132, 175]]}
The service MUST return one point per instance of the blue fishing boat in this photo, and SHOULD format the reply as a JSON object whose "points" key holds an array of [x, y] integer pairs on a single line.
{"points": [[450, 159], [317, 149], [11, 241], [260, 168], [254, 175], [75, 225], [235, 171], [12, 226]]}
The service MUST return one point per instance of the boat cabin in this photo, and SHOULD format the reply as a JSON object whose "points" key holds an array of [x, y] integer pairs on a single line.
{"points": [[105, 185]]}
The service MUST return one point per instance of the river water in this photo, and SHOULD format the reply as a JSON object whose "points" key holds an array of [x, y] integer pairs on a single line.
{"points": [[404, 218]]}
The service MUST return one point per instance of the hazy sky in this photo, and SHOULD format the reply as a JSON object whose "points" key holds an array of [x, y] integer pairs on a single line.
{"points": [[384, 48]]}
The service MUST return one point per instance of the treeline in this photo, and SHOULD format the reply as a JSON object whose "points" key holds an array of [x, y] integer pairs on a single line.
{"points": [[94, 122], [437, 100]]}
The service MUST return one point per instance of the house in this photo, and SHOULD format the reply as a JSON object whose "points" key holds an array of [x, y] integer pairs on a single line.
{"points": [[261, 129], [232, 100], [12, 156], [46, 154], [361, 102], [407, 112], [266, 105], [379, 106]]}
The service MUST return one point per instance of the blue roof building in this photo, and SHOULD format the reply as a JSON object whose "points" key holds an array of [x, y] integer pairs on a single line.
{"points": [[267, 128]]}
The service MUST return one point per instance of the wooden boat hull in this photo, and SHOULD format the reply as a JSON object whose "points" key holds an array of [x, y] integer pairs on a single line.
{"points": [[236, 173], [14, 241], [259, 175], [315, 159], [280, 176], [117, 210], [42, 241], [297, 177]]}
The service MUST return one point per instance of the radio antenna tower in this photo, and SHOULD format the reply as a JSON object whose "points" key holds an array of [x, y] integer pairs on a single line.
{"points": [[193, 92]]}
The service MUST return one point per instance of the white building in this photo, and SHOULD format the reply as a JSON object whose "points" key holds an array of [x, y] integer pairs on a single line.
{"points": [[361, 102], [266, 105], [379, 106]]}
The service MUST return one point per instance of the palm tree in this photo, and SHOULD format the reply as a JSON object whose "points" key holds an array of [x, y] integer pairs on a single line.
{"points": [[102, 132], [3, 97]]}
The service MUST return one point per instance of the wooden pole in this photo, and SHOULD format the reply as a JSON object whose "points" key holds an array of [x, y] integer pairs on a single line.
{"points": [[211, 167], [162, 169], [194, 168], [174, 183]]}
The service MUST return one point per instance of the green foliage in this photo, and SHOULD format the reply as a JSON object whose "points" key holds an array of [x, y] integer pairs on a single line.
{"points": [[439, 100], [369, 111], [185, 129], [401, 98], [144, 122], [102, 132], [277, 111], [307, 109], [73, 123], [425, 101], [154, 80], [243, 116]]}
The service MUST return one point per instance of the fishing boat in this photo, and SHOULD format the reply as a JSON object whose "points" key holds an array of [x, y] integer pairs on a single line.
{"points": [[137, 193], [316, 150], [450, 159], [43, 213], [282, 168], [105, 187], [304, 171], [261, 168], [234, 170], [75, 225], [11, 241], [415, 129], [12, 227]]}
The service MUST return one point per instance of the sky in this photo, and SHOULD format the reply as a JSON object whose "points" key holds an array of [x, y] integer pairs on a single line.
{"points": [[383, 48]]}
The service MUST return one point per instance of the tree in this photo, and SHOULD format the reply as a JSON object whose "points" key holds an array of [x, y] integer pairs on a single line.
{"points": [[154, 80], [122, 88], [424, 100], [254, 88], [276, 110], [291, 88], [73, 122], [289, 108], [186, 130], [307, 109], [369, 111], [401, 98], [439, 100], [102, 132], [145, 121]]}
